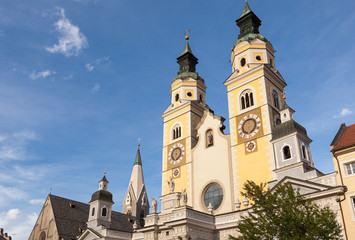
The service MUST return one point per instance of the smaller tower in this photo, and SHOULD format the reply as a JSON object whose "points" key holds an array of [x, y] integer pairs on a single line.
{"points": [[291, 146], [136, 201], [100, 206]]}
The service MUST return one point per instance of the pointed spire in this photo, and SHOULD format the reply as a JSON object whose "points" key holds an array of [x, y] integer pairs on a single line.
{"points": [[104, 178], [187, 62], [246, 9], [187, 49], [138, 160], [249, 25]]}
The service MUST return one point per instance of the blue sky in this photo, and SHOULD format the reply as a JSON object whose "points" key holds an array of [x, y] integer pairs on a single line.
{"points": [[81, 81]]}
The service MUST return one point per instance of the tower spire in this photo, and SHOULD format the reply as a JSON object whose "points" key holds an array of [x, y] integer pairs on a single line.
{"points": [[187, 61], [249, 25], [136, 202]]}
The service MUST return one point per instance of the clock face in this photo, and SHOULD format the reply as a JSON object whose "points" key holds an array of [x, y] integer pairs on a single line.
{"points": [[176, 153], [250, 146], [249, 126]]}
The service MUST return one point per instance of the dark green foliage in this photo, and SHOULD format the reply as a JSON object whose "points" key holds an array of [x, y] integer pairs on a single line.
{"points": [[285, 214]]}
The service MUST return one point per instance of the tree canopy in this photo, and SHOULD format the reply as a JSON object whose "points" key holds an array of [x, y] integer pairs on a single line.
{"points": [[284, 214]]}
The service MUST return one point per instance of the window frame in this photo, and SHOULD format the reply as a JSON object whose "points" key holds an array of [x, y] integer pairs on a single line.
{"points": [[243, 101], [179, 131], [275, 102], [352, 168], [104, 210], [283, 153]]}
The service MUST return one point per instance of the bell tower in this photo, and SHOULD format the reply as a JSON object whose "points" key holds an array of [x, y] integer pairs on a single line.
{"points": [[188, 101], [254, 98]]}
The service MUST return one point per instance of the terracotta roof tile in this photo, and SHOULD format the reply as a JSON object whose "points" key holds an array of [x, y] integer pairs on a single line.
{"points": [[347, 139]]}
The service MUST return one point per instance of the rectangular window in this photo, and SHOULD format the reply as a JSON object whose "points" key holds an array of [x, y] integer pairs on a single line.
{"points": [[350, 168]]}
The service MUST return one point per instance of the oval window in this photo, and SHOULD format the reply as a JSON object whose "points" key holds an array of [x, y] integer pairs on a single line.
{"points": [[242, 62], [213, 195]]}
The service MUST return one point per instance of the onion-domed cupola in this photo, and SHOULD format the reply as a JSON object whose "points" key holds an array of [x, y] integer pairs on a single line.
{"points": [[100, 206]]}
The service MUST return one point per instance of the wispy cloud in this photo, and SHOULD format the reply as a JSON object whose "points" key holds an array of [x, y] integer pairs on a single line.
{"points": [[37, 201], [35, 75], [96, 88], [10, 194], [100, 61], [13, 146], [89, 67], [71, 41], [344, 112]]}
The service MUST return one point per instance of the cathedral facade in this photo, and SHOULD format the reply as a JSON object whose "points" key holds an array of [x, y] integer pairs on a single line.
{"points": [[204, 169]]}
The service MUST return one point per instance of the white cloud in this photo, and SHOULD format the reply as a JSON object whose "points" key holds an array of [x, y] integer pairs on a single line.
{"points": [[13, 213], [36, 201], [13, 147], [17, 224], [96, 88], [89, 67], [10, 193], [344, 112], [71, 41], [35, 75]]}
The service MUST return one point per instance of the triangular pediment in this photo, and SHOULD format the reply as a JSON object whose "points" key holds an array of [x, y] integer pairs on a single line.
{"points": [[303, 186], [90, 234]]}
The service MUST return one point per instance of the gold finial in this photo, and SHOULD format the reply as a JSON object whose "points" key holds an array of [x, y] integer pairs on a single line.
{"points": [[284, 95], [105, 172], [187, 34], [139, 142]]}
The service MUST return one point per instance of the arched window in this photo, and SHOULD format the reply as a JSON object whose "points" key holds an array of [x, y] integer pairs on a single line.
{"points": [[176, 132], [104, 212], [286, 152], [42, 236], [141, 217], [93, 211], [304, 154], [209, 138], [275, 99], [247, 99]]}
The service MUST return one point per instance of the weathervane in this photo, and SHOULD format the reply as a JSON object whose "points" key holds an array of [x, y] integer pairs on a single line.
{"points": [[187, 34]]}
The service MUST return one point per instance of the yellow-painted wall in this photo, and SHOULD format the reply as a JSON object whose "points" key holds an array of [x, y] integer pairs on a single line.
{"points": [[344, 157]]}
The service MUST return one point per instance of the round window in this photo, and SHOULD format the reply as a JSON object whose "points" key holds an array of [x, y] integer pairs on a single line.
{"points": [[213, 195]]}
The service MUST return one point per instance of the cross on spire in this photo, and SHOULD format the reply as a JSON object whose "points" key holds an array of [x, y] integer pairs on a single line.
{"points": [[187, 34]]}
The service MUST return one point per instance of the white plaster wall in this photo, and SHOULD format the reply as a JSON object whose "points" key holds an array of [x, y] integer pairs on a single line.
{"points": [[212, 164]]}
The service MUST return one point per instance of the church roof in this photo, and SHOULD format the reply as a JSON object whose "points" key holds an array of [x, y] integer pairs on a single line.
{"points": [[287, 128], [70, 216], [102, 195], [344, 138]]}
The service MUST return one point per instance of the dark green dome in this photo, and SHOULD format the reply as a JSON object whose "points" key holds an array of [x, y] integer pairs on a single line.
{"points": [[102, 195]]}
